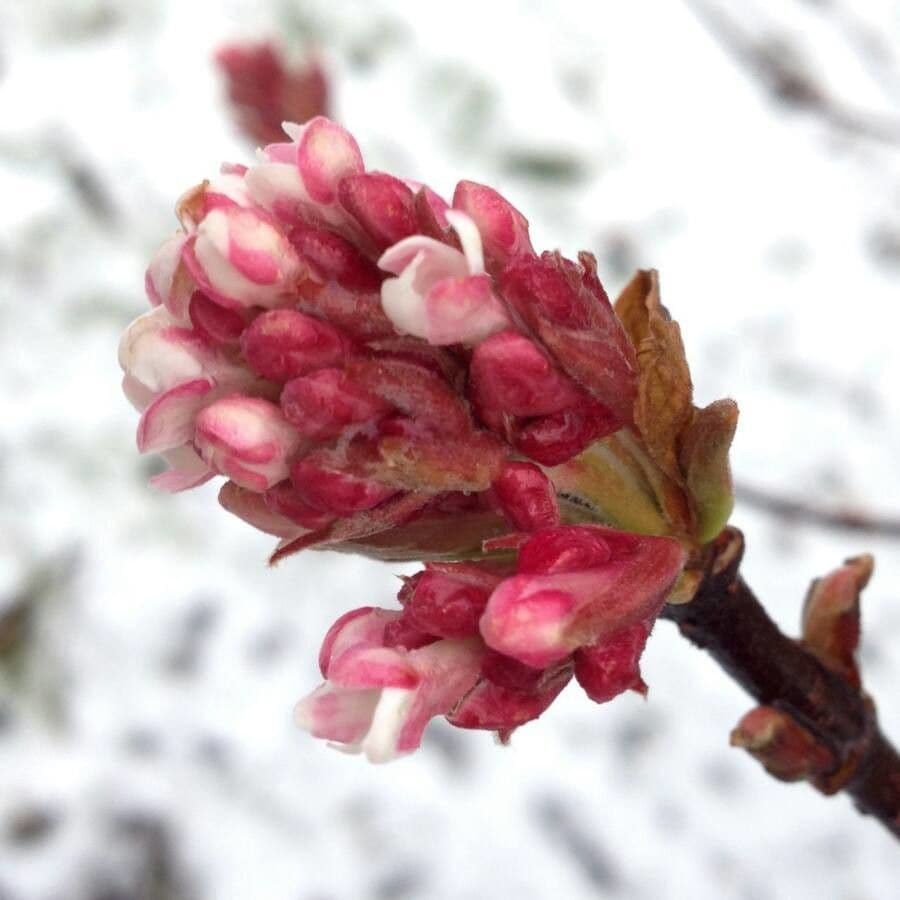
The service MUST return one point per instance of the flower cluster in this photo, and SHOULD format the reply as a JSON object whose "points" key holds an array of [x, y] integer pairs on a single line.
{"points": [[491, 645], [374, 369]]}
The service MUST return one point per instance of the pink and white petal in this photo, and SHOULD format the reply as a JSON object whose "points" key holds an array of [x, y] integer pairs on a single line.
{"points": [[137, 394], [153, 320], [445, 261], [242, 259], [230, 186], [463, 311], [403, 297], [403, 304], [449, 670], [381, 744], [326, 153], [161, 271], [469, 237], [337, 714], [247, 439], [359, 626], [187, 470], [169, 357], [168, 422], [276, 186], [160, 354], [364, 666], [254, 248]]}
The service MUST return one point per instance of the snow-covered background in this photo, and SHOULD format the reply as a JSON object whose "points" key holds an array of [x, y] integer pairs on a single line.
{"points": [[149, 661]]}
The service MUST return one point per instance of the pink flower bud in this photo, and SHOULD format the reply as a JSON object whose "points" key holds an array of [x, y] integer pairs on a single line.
{"points": [[214, 322], [527, 497], [518, 391], [283, 343], [576, 585], [332, 256], [381, 204], [247, 439], [158, 354], [167, 281], [266, 90], [302, 177], [168, 422], [510, 376], [509, 694], [414, 390], [251, 507], [554, 439], [571, 548], [444, 607], [227, 190], [610, 666], [363, 627], [325, 403], [403, 634], [378, 699], [504, 230], [284, 500], [336, 492], [239, 258], [358, 315], [326, 155], [431, 212], [566, 307]]}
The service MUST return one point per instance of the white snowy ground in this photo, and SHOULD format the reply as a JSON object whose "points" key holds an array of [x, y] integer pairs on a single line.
{"points": [[146, 747]]}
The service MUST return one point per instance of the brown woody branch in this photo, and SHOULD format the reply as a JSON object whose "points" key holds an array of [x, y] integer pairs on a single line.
{"points": [[727, 620], [777, 67], [840, 518]]}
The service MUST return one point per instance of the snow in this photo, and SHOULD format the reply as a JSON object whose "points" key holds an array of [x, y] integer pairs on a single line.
{"points": [[146, 742]]}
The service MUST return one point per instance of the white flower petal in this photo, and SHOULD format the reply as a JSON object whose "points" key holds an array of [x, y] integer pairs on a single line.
{"points": [[469, 237], [380, 743]]}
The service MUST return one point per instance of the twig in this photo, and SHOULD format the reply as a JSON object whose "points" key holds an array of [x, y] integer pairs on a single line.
{"points": [[842, 518], [727, 620], [776, 66]]}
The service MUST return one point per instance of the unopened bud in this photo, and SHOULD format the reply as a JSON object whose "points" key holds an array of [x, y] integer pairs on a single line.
{"points": [[786, 750], [831, 616], [247, 439]]}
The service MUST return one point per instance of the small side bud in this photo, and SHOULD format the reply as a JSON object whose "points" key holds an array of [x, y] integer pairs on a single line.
{"points": [[831, 616], [786, 750]]}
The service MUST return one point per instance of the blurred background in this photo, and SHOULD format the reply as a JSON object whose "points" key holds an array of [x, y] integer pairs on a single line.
{"points": [[149, 661]]}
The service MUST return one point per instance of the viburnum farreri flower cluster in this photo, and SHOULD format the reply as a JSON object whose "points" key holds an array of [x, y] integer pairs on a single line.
{"points": [[378, 371]]}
